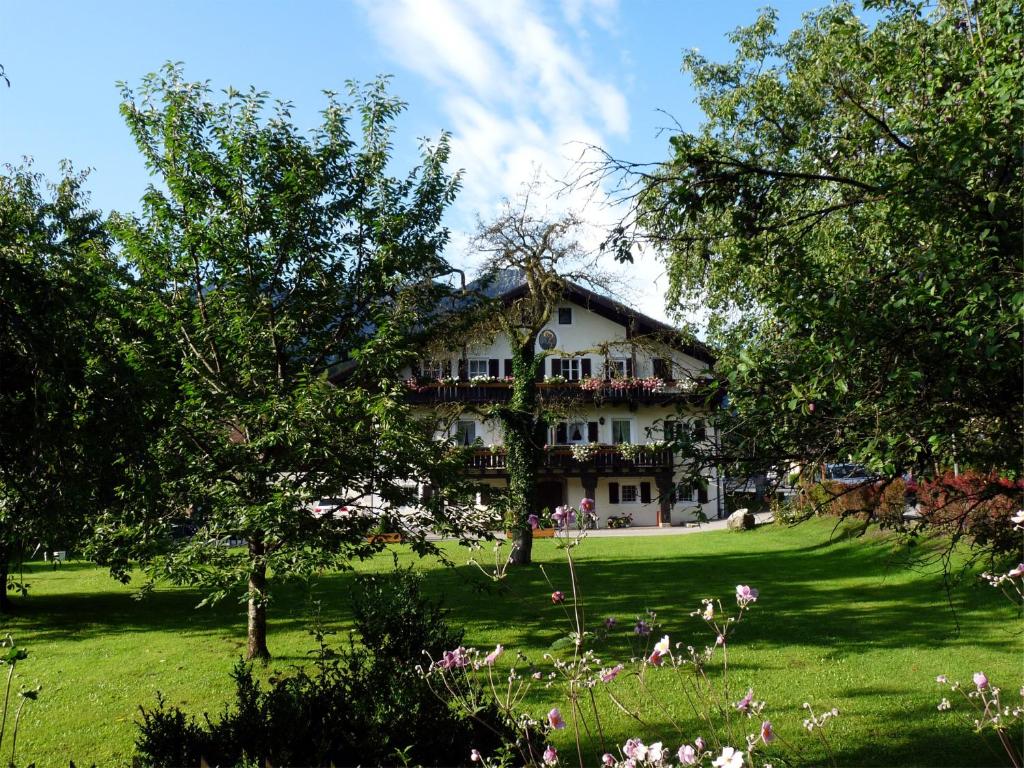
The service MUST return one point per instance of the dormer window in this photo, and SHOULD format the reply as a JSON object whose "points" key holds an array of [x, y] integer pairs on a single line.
{"points": [[565, 315]]}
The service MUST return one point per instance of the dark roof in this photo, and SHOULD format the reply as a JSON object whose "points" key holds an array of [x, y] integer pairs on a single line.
{"points": [[510, 284]]}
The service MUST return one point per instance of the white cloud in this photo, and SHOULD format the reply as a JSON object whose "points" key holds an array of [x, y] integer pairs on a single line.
{"points": [[521, 100]]}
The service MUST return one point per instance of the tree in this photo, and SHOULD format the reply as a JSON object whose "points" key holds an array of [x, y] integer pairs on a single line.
{"points": [[542, 253], [70, 418], [849, 213], [267, 257]]}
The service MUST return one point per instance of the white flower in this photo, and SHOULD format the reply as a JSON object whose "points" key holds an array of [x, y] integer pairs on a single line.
{"points": [[662, 646], [655, 752], [730, 758]]}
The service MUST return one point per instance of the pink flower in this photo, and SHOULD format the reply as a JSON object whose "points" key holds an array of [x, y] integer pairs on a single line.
{"points": [[563, 516], [980, 680], [586, 505], [556, 720], [536, 675], [767, 734], [810, 407], [745, 595], [557, 597], [607, 675], [534, 521], [1017, 572], [608, 759], [454, 659], [941, 679], [634, 749], [699, 744], [491, 657], [550, 755], [687, 755], [655, 659], [720, 640], [743, 705], [474, 756]]}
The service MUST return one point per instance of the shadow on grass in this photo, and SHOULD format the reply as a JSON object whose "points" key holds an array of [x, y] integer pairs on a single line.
{"points": [[841, 597]]}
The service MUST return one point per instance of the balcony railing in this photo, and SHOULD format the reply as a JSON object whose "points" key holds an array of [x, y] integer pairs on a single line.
{"points": [[590, 390], [605, 459]]}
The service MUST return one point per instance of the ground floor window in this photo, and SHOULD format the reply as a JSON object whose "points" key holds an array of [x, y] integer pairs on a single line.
{"points": [[629, 494]]}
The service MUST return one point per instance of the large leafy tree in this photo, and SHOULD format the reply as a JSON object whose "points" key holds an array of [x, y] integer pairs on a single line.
{"points": [[73, 412], [531, 256], [269, 255], [850, 216]]}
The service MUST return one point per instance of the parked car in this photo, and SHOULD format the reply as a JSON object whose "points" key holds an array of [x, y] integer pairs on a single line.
{"points": [[328, 507], [848, 474]]}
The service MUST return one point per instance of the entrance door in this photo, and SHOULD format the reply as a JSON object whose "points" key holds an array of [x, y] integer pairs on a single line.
{"points": [[550, 494]]}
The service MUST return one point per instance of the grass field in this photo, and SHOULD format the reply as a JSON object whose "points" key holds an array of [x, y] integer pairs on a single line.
{"points": [[840, 623]]}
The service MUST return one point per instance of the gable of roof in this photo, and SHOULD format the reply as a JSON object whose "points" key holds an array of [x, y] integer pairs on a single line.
{"points": [[509, 284]]}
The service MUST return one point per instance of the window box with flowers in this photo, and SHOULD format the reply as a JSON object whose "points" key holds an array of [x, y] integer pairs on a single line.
{"points": [[583, 452]]}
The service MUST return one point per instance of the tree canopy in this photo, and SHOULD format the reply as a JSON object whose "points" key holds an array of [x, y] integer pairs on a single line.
{"points": [[73, 409], [268, 256], [850, 215]]}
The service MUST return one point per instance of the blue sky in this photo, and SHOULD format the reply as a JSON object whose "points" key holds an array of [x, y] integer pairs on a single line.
{"points": [[519, 83]]}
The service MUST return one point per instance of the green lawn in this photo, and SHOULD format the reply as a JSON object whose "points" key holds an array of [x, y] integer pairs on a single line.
{"points": [[842, 624]]}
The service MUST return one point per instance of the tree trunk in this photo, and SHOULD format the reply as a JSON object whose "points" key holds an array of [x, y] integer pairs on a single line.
{"points": [[524, 446], [257, 634]]}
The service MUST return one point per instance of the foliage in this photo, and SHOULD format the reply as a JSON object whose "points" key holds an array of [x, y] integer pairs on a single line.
{"points": [[655, 667], [849, 213], [971, 504], [850, 620], [10, 655], [364, 706], [74, 402], [544, 253], [268, 256]]}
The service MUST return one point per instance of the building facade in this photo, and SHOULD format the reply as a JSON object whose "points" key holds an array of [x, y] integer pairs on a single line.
{"points": [[616, 385]]}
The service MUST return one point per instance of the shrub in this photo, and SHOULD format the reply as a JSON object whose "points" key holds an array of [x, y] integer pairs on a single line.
{"points": [[969, 504], [364, 705]]}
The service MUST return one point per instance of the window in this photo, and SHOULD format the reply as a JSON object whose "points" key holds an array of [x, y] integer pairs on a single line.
{"points": [[621, 431], [433, 369], [465, 432], [565, 315], [576, 431], [662, 368], [479, 366], [629, 494], [685, 492], [700, 432], [620, 367], [569, 367]]}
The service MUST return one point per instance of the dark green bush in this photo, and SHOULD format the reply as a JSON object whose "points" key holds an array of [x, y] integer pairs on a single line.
{"points": [[363, 705]]}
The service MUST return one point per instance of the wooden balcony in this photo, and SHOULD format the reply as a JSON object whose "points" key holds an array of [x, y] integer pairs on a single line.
{"points": [[568, 392], [606, 460]]}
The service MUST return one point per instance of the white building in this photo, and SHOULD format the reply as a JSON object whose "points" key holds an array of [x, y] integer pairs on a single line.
{"points": [[619, 381]]}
